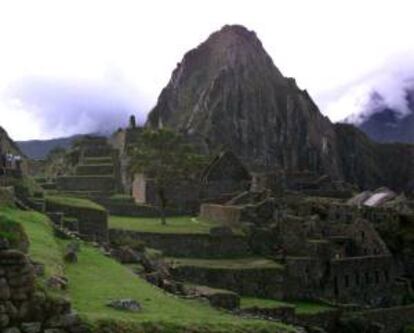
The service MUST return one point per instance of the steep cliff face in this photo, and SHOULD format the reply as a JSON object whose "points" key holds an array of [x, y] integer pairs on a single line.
{"points": [[228, 94]]}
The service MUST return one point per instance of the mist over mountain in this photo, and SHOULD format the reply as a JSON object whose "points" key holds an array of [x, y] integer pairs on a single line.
{"points": [[383, 122]]}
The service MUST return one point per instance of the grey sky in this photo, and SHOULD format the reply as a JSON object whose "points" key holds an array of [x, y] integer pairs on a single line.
{"points": [[64, 64]]}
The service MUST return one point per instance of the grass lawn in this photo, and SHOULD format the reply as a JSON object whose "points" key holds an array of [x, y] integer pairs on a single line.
{"points": [[302, 307], [179, 224], [242, 263]]}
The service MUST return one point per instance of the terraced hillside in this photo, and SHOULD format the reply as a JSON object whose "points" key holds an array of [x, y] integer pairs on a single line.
{"points": [[215, 263], [96, 279]]}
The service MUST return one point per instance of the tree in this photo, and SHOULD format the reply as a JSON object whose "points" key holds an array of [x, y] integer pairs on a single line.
{"points": [[164, 156]]}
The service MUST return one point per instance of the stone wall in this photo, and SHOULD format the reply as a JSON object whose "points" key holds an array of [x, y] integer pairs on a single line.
{"points": [[227, 215], [367, 280], [326, 319], [25, 309], [93, 223], [394, 319], [188, 245], [183, 196], [255, 282], [115, 207]]}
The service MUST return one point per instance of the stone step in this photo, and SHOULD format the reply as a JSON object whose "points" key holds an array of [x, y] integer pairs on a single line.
{"points": [[95, 169], [98, 160], [86, 183]]}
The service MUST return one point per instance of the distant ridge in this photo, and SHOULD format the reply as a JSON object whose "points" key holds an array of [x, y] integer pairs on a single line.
{"points": [[39, 149]]}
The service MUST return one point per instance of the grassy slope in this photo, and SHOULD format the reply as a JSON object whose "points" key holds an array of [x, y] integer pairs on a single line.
{"points": [[302, 307], [43, 246], [243, 263], [180, 224], [95, 279]]}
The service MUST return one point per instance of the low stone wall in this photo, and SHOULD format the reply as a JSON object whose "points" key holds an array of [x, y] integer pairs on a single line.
{"points": [[282, 313], [327, 319], [227, 215], [115, 207], [85, 183], [394, 319], [188, 245], [93, 223], [255, 282]]}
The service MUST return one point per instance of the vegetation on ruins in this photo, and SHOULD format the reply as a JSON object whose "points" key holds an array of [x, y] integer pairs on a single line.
{"points": [[164, 156]]}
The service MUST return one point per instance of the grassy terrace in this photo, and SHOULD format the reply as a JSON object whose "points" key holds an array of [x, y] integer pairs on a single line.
{"points": [[301, 307], [180, 224], [43, 246], [242, 263], [74, 202], [95, 279]]}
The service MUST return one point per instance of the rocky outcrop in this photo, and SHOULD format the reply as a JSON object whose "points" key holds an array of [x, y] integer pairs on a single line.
{"points": [[227, 93]]}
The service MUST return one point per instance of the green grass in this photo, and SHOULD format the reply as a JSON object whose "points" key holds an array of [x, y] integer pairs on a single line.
{"points": [[43, 246], [242, 263], [95, 279], [301, 307], [180, 224], [74, 202]]}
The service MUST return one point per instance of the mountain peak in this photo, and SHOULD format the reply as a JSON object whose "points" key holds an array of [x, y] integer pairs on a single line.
{"points": [[228, 94]]}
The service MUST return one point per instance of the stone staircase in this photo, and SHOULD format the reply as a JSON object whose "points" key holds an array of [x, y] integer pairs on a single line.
{"points": [[95, 174]]}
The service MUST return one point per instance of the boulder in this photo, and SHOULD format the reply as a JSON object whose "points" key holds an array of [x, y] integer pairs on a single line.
{"points": [[57, 282], [126, 304], [70, 257]]}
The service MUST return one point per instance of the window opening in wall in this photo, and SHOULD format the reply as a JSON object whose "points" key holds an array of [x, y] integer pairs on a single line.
{"points": [[357, 278], [346, 281], [367, 279], [377, 277], [336, 290], [387, 276]]}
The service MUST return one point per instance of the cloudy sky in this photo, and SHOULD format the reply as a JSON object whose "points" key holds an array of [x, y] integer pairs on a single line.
{"points": [[80, 66]]}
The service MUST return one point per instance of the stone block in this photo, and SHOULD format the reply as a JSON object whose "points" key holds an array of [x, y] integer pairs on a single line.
{"points": [[34, 327]]}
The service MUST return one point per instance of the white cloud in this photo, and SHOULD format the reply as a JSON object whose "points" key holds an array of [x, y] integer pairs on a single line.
{"points": [[325, 44]]}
